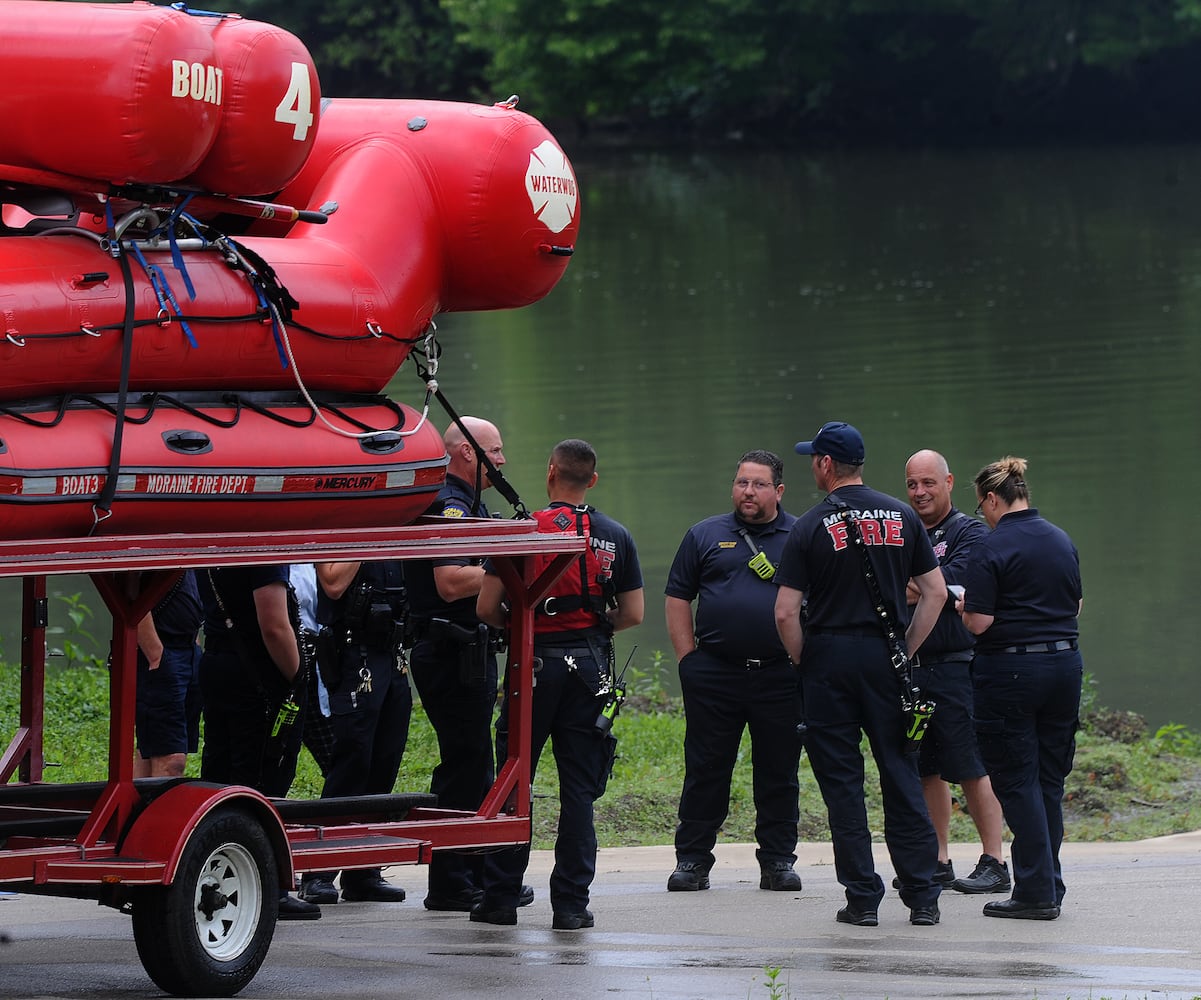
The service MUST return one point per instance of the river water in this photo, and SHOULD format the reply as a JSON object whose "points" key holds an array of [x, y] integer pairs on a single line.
{"points": [[1043, 303]]}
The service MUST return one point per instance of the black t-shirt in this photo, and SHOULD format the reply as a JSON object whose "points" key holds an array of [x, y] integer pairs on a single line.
{"points": [[953, 539], [236, 587], [1026, 574], [820, 559], [735, 607]]}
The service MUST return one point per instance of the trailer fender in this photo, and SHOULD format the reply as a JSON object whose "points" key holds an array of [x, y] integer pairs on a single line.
{"points": [[161, 831]]}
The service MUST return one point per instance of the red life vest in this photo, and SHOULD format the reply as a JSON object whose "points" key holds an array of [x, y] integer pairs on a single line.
{"points": [[578, 599]]}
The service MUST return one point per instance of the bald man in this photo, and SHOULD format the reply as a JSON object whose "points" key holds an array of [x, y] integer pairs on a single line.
{"points": [[949, 751], [452, 665]]}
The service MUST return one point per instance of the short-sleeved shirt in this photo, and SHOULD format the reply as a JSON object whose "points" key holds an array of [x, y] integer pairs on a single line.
{"points": [[820, 559], [236, 586], [1026, 574], [457, 498], [953, 539], [735, 607]]}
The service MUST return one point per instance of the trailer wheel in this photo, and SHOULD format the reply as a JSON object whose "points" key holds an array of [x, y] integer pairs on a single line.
{"points": [[208, 932]]}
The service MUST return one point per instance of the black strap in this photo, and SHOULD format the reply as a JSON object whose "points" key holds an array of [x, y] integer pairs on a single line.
{"points": [[104, 502], [495, 476], [892, 632]]}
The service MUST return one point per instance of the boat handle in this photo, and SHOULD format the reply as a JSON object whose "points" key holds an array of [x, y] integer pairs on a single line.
{"points": [[188, 442]]}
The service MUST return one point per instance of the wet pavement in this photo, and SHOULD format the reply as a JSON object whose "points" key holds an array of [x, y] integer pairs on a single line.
{"points": [[1129, 929]]}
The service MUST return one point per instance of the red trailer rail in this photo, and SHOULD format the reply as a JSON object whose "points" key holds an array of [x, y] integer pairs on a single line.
{"points": [[199, 865]]}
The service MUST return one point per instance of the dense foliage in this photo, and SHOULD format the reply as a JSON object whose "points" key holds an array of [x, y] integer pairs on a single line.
{"points": [[790, 70]]}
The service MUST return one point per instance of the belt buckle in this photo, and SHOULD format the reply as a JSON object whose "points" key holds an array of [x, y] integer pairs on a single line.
{"points": [[754, 664]]}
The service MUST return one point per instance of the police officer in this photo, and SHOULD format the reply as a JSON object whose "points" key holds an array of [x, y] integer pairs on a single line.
{"points": [[848, 679], [948, 750], [733, 674], [361, 608], [573, 639], [1022, 602], [250, 669], [454, 662]]}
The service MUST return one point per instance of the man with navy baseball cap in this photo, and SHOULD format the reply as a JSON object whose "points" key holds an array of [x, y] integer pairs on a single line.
{"points": [[838, 440], [848, 679]]}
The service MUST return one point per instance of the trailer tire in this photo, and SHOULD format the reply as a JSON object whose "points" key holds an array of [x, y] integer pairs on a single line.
{"points": [[208, 932]]}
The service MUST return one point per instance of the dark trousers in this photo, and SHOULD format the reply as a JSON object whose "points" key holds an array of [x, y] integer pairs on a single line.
{"points": [[850, 688], [721, 699], [565, 707], [1027, 714], [318, 729], [459, 706], [370, 728], [238, 713]]}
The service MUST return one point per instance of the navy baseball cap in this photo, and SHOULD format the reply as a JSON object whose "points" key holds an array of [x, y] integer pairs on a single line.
{"points": [[838, 440]]}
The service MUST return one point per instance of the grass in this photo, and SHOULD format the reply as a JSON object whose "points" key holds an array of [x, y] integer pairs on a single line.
{"points": [[1128, 783]]}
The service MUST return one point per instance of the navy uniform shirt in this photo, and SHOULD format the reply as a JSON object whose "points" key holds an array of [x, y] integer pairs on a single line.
{"points": [[821, 561], [735, 607], [236, 586], [1026, 574], [953, 539], [457, 498]]}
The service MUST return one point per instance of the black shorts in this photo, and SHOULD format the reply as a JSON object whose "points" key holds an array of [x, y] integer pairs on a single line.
{"points": [[168, 703], [949, 748]]}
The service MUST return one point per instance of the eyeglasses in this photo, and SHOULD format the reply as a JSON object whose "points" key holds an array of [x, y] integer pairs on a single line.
{"points": [[758, 485], [980, 505]]}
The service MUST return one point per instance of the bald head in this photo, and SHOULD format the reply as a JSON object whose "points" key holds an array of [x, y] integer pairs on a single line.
{"points": [[463, 460], [928, 482]]}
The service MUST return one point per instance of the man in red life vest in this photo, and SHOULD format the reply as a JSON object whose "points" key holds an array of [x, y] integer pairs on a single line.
{"points": [[573, 632]]}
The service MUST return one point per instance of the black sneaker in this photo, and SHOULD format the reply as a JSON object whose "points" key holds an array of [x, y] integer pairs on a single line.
{"points": [[372, 889], [944, 874], [860, 918], [572, 921], [500, 916], [924, 916], [316, 889], [779, 877], [990, 875], [689, 876], [291, 908], [1020, 910]]}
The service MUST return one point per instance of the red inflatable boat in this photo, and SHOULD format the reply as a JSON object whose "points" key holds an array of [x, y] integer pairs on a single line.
{"points": [[182, 211], [195, 463]]}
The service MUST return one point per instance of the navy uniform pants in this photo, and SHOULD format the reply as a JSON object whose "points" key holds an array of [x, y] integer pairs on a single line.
{"points": [[370, 728], [239, 710], [460, 709], [1027, 714], [565, 707], [722, 699], [850, 688]]}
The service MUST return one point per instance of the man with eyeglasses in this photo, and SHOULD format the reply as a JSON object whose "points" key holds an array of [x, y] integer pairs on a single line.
{"points": [[848, 675], [452, 663], [735, 675]]}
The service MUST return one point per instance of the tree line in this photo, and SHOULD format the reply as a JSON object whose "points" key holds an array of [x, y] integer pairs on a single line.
{"points": [[776, 72]]}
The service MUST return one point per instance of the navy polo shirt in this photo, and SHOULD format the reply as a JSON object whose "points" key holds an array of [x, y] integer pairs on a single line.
{"points": [[735, 607], [1026, 574], [953, 539], [455, 499], [821, 560]]}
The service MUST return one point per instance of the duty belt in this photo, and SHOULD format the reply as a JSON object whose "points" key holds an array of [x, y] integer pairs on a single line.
{"points": [[1043, 647], [745, 662], [958, 656]]}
